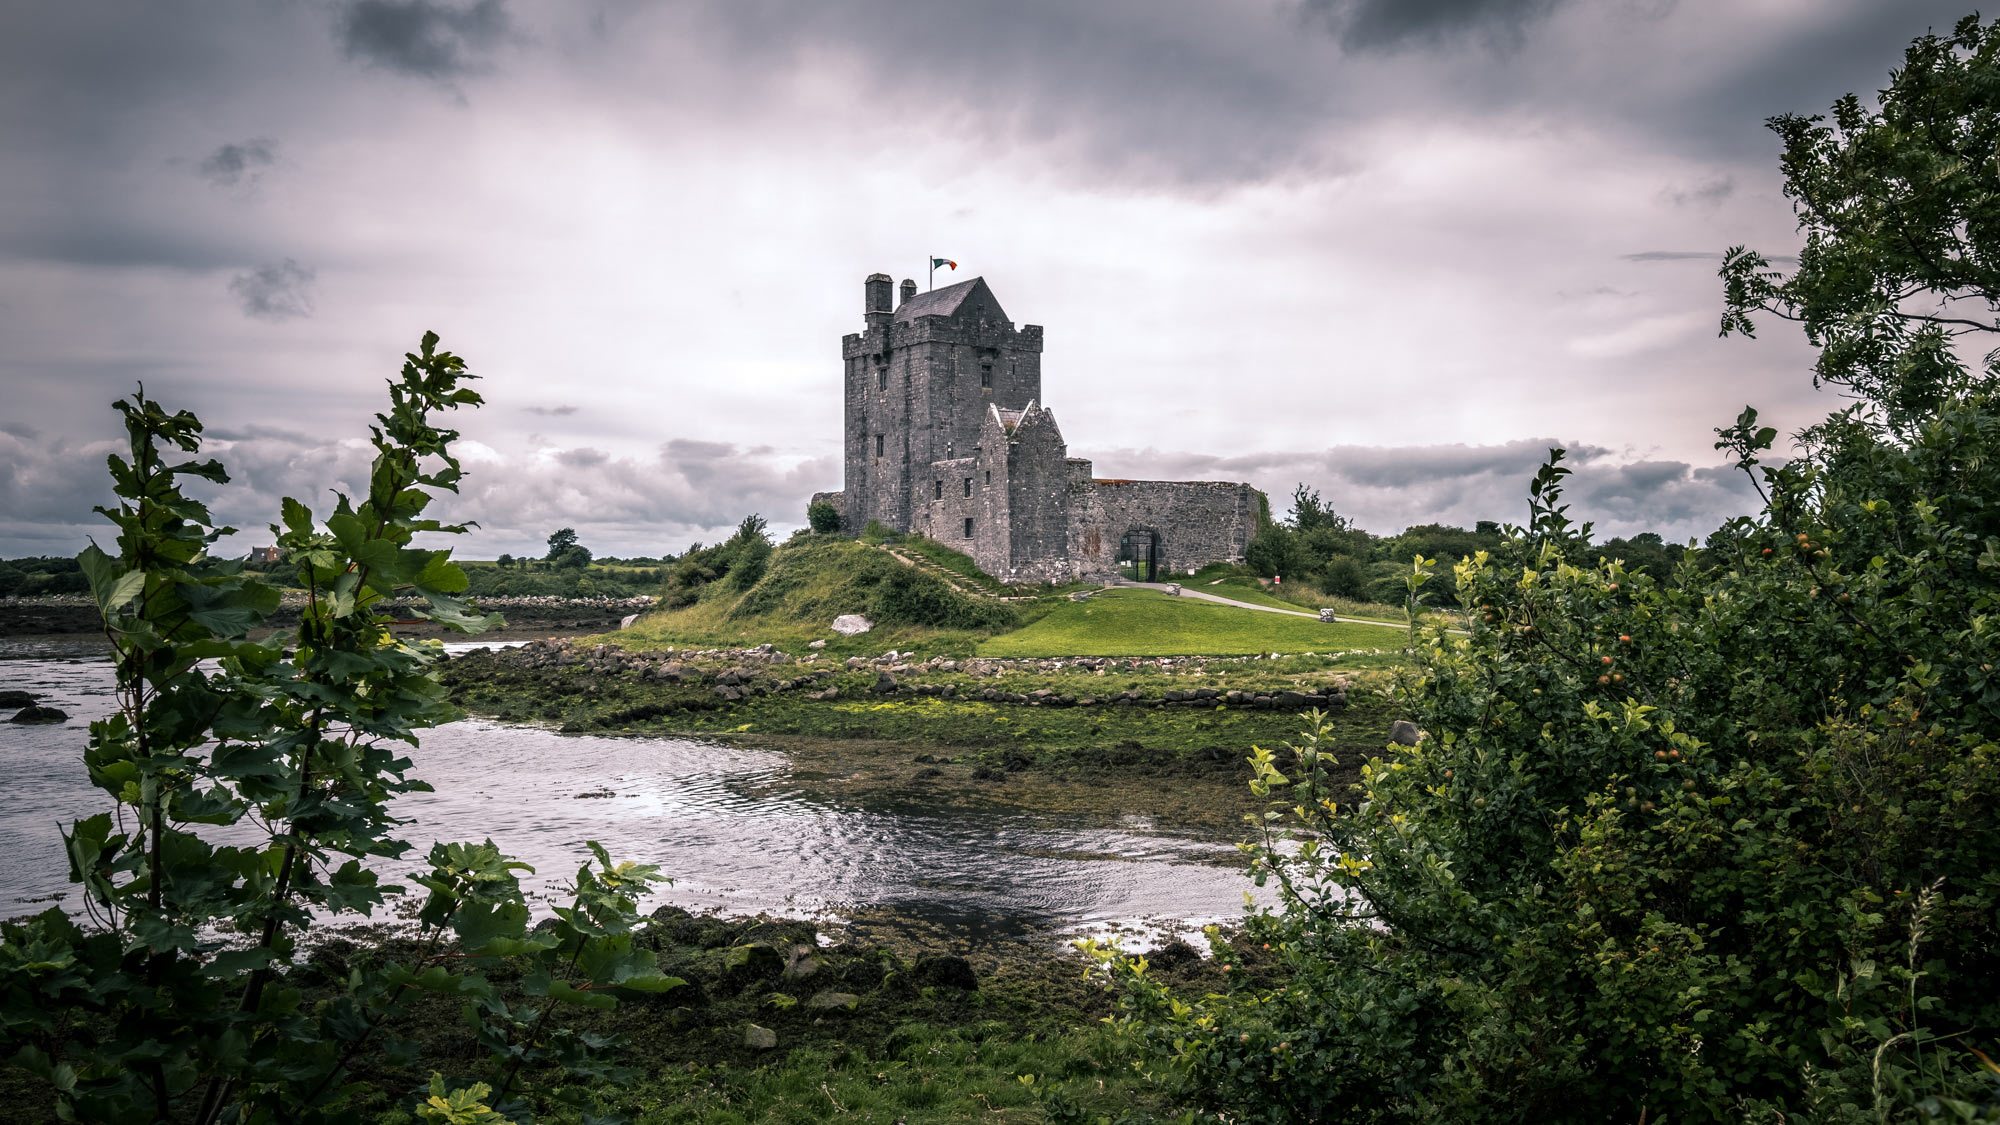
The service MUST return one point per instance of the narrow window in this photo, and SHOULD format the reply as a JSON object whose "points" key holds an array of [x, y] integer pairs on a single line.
{"points": [[940, 490], [985, 374], [968, 527], [968, 486], [878, 445], [989, 476], [882, 378]]}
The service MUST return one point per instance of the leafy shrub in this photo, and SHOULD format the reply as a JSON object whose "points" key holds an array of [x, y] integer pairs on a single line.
{"points": [[1343, 576], [742, 558], [1275, 550], [907, 596], [1719, 845], [823, 517], [173, 998]]}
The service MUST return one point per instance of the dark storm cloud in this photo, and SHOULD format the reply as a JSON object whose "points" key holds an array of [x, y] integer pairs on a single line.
{"points": [[281, 291], [235, 163], [1165, 92], [1374, 25], [422, 38], [1850, 49], [111, 241]]}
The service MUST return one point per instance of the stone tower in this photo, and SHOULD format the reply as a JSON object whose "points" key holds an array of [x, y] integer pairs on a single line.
{"points": [[919, 381]]}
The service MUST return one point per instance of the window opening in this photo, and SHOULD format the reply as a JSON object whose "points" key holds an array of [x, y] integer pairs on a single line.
{"points": [[940, 490], [986, 375], [878, 445], [968, 527], [968, 486]]}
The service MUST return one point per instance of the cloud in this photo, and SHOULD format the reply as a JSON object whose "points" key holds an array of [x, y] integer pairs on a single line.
{"points": [[275, 292], [1385, 25], [420, 37], [1672, 256], [582, 458], [1387, 488], [1707, 193], [239, 162], [557, 411]]}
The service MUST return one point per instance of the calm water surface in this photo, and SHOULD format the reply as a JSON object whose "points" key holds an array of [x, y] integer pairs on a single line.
{"points": [[726, 823]]}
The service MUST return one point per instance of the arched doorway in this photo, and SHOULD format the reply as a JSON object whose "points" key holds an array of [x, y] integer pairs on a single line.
{"points": [[1139, 556]]}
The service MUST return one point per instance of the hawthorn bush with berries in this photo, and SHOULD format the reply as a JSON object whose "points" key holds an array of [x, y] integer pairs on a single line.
{"points": [[1724, 845]]}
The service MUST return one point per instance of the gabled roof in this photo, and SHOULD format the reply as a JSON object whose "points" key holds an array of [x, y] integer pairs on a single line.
{"points": [[972, 297]]}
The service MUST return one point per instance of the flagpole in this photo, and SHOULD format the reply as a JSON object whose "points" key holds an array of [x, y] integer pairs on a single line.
{"points": [[933, 281]]}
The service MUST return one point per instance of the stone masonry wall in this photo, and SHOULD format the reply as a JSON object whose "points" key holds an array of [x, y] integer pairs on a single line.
{"points": [[918, 391], [1198, 522], [1038, 497]]}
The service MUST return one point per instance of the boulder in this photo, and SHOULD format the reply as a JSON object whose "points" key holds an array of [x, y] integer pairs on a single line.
{"points": [[1403, 732], [803, 965], [831, 1001], [850, 624], [885, 684], [626, 621], [759, 1038], [743, 965], [818, 644], [38, 714], [16, 699]]}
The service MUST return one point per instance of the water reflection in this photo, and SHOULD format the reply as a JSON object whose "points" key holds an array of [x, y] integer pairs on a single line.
{"points": [[732, 827]]}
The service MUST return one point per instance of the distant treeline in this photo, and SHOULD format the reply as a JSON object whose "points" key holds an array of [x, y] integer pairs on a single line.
{"points": [[31, 577], [1317, 546]]}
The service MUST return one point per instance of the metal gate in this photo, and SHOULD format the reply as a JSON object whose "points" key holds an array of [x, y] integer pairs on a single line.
{"points": [[1139, 555]]}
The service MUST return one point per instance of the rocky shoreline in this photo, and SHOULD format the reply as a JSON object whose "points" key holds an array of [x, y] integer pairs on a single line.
{"points": [[735, 675], [71, 614]]}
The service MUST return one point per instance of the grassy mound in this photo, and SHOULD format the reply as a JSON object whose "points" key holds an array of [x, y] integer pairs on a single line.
{"points": [[812, 580]]}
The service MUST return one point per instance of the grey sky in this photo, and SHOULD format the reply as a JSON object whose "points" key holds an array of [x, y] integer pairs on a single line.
{"points": [[1394, 248]]}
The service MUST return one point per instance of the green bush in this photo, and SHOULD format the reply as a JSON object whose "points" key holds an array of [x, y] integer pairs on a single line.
{"points": [[1719, 845], [741, 558], [823, 517], [907, 596], [249, 786], [1343, 576]]}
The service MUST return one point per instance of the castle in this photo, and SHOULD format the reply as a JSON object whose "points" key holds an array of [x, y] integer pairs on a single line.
{"points": [[946, 436]]}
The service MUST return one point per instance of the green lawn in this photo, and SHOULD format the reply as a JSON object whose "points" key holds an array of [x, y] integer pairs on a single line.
{"points": [[1149, 623]]}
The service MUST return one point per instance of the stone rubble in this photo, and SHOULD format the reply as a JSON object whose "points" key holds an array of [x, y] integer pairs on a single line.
{"points": [[736, 674]]}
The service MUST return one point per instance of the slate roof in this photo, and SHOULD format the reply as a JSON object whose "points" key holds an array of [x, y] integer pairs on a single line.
{"points": [[946, 301]]}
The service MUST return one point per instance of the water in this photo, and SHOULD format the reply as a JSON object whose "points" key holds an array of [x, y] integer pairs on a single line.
{"points": [[728, 824]]}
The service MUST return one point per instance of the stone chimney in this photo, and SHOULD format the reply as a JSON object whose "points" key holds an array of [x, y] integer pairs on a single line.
{"points": [[909, 291], [875, 292]]}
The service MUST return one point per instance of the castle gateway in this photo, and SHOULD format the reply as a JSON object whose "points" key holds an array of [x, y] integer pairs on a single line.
{"points": [[946, 436]]}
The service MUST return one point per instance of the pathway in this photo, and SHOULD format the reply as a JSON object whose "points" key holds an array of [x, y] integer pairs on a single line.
{"points": [[1199, 596]]}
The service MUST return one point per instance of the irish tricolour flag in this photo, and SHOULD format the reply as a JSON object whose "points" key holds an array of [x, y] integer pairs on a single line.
{"points": [[936, 262]]}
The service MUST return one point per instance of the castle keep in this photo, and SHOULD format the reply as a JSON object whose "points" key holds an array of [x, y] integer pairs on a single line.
{"points": [[945, 436]]}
